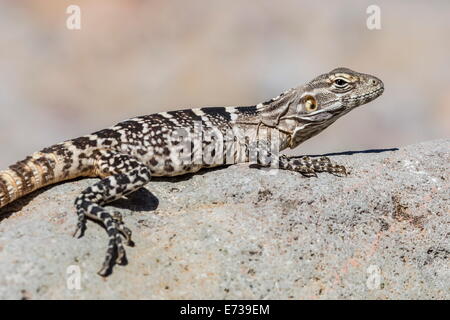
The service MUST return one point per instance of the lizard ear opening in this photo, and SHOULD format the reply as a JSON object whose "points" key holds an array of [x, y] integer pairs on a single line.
{"points": [[310, 104]]}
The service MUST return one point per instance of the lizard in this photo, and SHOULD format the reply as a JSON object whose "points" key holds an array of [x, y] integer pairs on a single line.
{"points": [[126, 155]]}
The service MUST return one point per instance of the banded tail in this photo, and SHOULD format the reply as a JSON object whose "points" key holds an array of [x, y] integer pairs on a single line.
{"points": [[26, 176], [51, 165]]}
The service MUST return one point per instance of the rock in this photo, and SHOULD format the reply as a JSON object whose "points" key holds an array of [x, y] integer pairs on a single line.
{"points": [[244, 233]]}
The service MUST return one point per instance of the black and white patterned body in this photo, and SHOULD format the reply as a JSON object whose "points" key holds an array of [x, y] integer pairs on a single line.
{"points": [[128, 154]]}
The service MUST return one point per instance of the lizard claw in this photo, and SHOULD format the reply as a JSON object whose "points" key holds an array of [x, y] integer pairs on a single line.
{"points": [[124, 231], [81, 227]]}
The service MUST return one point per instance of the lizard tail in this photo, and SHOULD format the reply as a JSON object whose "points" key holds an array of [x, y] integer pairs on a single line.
{"points": [[28, 175]]}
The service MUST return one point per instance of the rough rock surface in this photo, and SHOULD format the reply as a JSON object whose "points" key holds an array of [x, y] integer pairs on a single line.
{"points": [[380, 233]]}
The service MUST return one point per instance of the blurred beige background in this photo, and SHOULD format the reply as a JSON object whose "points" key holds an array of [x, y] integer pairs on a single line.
{"points": [[139, 57]]}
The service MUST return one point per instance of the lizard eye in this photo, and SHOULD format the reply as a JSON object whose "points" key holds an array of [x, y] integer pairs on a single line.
{"points": [[340, 82], [310, 104]]}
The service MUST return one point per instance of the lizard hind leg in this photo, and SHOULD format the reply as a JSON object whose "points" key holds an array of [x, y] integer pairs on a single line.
{"points": [[122, 176]]}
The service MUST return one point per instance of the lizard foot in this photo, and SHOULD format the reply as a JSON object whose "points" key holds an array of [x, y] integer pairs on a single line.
{"points": [[81, 224], [116, 251], [124, 231]]}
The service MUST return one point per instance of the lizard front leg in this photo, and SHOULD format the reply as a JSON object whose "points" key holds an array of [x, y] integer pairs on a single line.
{"points": [[310, 166], [122, 175], [305, 165]]}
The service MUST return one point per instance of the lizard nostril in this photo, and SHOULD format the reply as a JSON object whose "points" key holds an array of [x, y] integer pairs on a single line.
{"points": [[373, 82]]}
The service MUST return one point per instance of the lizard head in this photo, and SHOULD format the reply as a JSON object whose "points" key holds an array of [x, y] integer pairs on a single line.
{"points": [[324, 99], [340, 89]]}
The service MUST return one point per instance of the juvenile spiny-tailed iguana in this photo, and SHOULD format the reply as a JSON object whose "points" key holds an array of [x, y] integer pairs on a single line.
{"points": [[128, 154]]}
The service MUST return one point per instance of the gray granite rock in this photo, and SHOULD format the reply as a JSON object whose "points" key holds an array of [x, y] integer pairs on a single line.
{"points": [[243, 233]]}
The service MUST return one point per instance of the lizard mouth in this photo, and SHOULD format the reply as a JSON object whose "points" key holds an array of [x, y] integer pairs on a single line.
{"points": [[363, 98]]}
